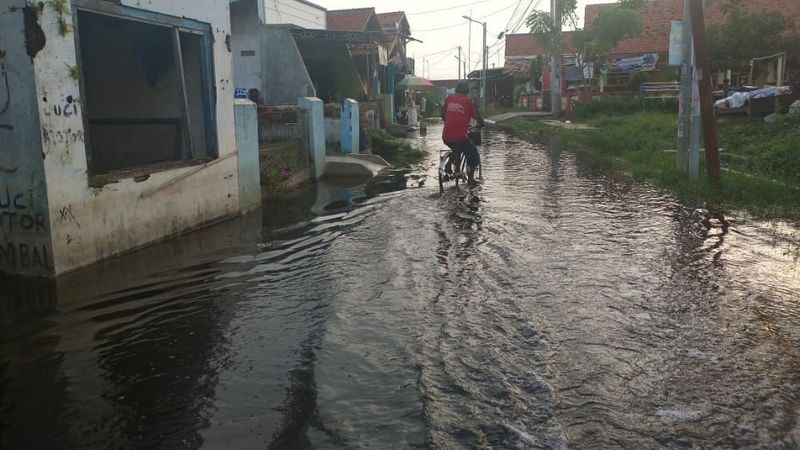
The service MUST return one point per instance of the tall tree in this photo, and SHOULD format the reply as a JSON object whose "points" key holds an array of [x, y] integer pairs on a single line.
{"points": [[594, 42], [541, 23], [744, 35]]}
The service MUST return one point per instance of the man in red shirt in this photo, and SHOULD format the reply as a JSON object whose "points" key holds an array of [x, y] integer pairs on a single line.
{"points": [[457, 114]]}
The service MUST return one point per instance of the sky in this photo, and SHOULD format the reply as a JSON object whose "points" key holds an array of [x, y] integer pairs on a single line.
{"points": [[439, 24]]}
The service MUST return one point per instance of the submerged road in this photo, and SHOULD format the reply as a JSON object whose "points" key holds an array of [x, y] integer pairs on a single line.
{"points": [[556, 306]]}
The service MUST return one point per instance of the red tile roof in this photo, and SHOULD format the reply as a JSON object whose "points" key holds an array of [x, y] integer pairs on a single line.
{"points": [[658, 14], [359, 19], [391, 18]]}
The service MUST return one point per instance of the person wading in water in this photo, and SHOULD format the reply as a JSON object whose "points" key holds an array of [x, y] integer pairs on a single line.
{"points": [[457, 114]]}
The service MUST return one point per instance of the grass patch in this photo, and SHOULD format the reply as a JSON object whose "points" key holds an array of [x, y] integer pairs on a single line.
{"points": [[770, 150], [279, 162], [762, 160], [621, 105], [394, 150]]}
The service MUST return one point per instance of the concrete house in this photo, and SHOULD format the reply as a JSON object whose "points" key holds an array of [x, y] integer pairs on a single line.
{"points": [[266, 56], [396, 26], [117, 128]]}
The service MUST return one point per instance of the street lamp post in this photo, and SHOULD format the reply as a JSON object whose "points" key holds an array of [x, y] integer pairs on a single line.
{"points": [[484, 60], [555, 65]]}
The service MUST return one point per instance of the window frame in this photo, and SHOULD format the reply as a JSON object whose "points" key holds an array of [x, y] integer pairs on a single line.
{"points": [[178, 25]]}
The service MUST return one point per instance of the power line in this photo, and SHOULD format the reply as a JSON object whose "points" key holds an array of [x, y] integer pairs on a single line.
{"points": [[531, 7], [447, 9], [510, 19], [462, 23], [447, 56], [439, 52]]}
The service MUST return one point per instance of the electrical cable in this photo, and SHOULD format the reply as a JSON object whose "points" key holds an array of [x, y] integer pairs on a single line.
{"points": [[511, 19], [438, 53], [462, 23], [446, 9]]}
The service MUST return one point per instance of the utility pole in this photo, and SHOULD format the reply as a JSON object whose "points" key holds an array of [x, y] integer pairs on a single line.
{"points": [[555, 65], [694, 132], [703, 65], [469, 44], [484, 61], [459, 62], [423, 67], [485, 69], [684, 105]]}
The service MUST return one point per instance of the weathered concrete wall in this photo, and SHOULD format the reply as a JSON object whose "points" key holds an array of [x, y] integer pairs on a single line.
{"points": [[249, 159], [89, 224], [284, 72], [295, 12], [266, 58], [350, 127], [333, 131], [315, 125], [245, 45], [24, 222]]}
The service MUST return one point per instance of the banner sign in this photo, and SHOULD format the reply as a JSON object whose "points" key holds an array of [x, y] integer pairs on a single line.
{"points": [[676, 43], [573, 72], [629, 64]]}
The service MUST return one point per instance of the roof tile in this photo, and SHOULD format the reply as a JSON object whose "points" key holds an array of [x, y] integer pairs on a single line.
{"points": [[390, 20], [352, 19]]}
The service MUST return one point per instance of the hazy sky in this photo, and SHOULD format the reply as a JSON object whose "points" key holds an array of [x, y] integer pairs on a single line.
{"points": [[429, 17]]}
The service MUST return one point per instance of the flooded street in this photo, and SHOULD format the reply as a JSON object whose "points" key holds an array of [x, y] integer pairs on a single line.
{"points": [[556, 306]]}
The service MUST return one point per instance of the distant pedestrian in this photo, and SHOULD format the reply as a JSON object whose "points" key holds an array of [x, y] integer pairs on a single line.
{"points": [[423, 104]]}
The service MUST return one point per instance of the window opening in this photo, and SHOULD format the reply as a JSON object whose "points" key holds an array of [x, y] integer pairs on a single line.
{"points": [[147, 90]]}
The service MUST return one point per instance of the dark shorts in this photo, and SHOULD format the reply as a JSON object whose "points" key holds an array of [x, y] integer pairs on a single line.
{"points": [[468, 149]]}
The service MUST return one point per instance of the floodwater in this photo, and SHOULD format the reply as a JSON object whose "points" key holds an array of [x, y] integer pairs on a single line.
{"points": [[556, 306]]}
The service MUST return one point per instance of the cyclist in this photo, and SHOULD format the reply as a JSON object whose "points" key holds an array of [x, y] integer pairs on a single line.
{"points": [[457, 114]]}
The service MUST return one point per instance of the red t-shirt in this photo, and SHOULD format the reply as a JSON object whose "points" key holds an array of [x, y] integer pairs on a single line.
{"points": [[458, 111]]}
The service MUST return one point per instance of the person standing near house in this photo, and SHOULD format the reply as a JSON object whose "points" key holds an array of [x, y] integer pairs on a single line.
{"points": [[423, 104], [457, 113]]}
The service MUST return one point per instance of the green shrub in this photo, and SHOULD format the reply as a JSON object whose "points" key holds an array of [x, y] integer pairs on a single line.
{"points": [[394, 150], [620, 105]]}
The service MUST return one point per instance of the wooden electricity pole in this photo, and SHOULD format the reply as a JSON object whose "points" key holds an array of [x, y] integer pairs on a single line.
{"points": [[704, 80]]}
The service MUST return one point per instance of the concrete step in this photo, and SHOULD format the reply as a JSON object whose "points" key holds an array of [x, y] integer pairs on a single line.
{"points": [[354, 166]]}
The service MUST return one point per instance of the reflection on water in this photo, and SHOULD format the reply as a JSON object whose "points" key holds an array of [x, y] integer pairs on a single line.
{"points": [[554, 306]]}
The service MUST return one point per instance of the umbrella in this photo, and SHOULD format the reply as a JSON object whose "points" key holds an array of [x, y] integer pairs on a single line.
{"points": [[413, 83]]}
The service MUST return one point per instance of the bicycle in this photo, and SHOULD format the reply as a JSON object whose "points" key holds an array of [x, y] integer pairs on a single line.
{"points": [[459, 172]]}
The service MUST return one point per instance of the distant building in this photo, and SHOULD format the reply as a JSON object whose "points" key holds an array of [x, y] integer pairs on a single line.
{"points": [[651, 46], [521, 49], [396, 26]]}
